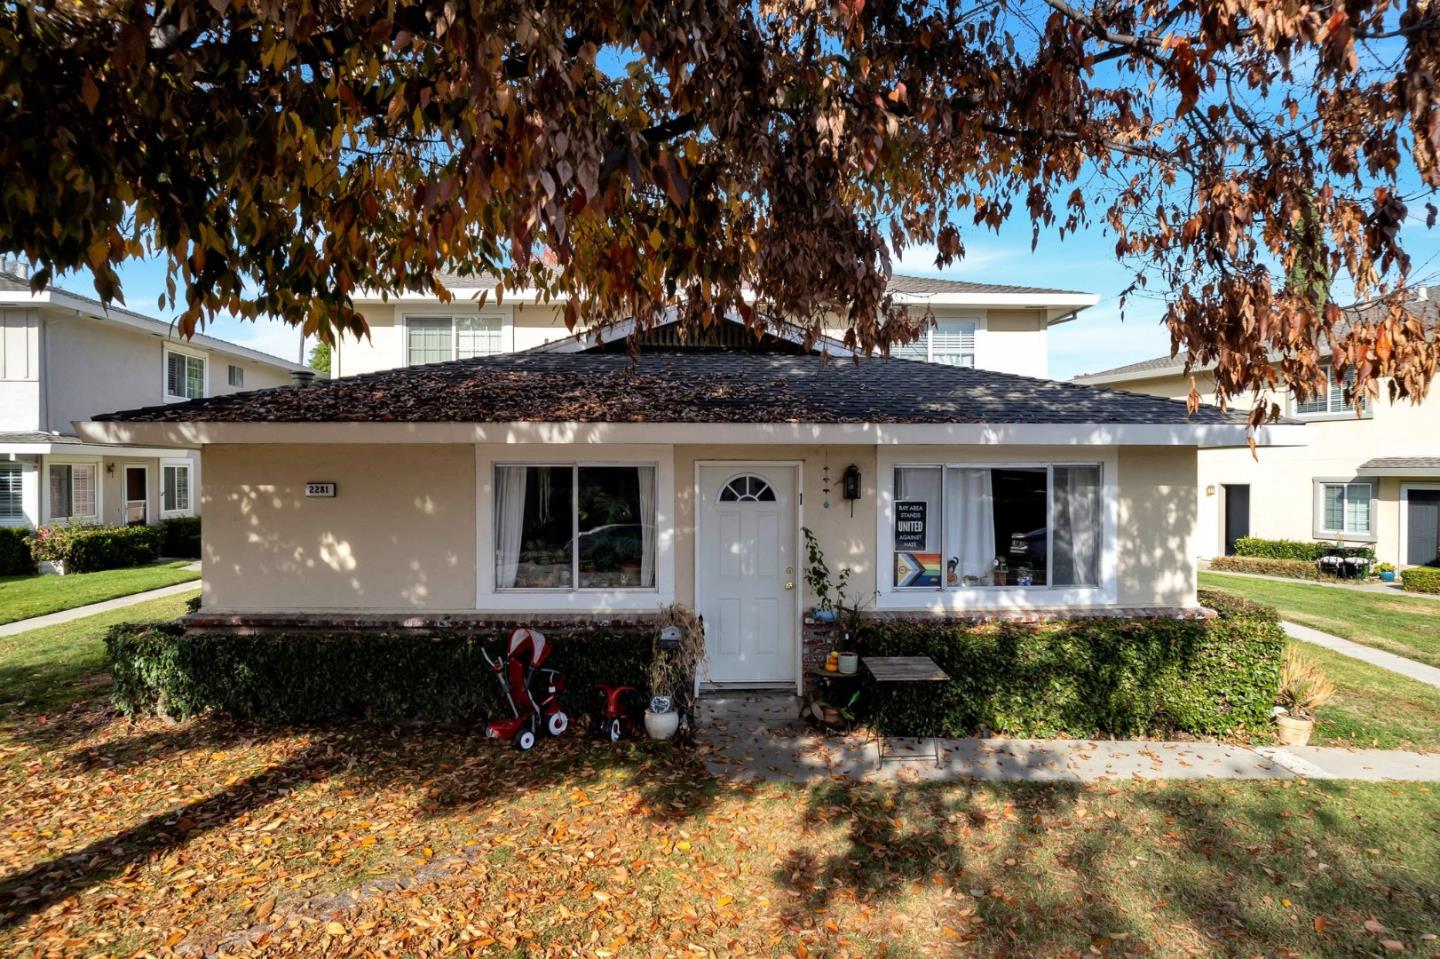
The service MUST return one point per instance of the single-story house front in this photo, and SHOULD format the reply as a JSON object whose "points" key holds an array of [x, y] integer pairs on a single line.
{"points": [[586, 483]]}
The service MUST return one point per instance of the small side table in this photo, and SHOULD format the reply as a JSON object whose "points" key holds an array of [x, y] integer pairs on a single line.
{"points": [[903, 669]]}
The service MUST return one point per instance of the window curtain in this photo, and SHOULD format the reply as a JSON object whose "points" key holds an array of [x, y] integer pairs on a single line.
{"points": [[1076, 526], [646, 478], [972, 522], [510, 483]]}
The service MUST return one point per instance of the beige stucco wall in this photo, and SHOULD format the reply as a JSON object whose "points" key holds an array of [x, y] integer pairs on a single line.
{"points": [[400, 534], [19, 369], [1155, 563]]}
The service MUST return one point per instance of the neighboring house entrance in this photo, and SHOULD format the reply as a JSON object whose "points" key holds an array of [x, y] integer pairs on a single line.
{"points": [[746, 582], [1422, 527], [1237, 514], [136, 484]]}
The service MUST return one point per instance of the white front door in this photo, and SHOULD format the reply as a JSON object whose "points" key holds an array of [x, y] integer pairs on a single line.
{"points": [[746, 584]]}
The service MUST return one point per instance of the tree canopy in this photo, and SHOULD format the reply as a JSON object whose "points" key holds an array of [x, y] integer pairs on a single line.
{"points": [[624, 156]]}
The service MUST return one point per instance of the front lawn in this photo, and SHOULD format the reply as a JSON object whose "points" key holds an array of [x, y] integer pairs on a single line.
{"points": [[121, 838], [1405, 626], [22, 597], [1374, 707]]}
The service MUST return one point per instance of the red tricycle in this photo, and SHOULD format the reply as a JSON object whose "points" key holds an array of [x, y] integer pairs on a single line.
{"points": [[622, 715], [532, 692]]}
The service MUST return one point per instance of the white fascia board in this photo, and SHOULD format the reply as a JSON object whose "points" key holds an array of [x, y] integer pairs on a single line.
{"points": [[862, 434], [82, 449]]}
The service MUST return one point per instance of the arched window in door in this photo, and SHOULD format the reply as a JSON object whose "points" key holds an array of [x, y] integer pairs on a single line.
{"points": [[747, 489]]}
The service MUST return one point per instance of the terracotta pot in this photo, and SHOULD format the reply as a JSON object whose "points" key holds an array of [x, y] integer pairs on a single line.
{"points": [[661, 725], [1291, 731]]}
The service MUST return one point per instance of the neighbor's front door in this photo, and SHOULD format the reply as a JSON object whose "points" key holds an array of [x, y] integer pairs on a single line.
{"points": [[1422, 526], [745, 583], [137, 479]]}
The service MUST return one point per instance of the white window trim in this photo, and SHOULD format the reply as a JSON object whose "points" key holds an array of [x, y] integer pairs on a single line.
{"points": [[99, 488], [200, 355], [1318, 509], [643, 599], [1405, 488], [980, 321], [189, 509], [29, 495], [507, 327], [1346, 412], [230, 370], [950, 599]]}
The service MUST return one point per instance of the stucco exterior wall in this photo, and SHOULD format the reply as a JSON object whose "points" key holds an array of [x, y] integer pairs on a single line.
{"points": [[19, 369], [1155, 554], [400, 534]]}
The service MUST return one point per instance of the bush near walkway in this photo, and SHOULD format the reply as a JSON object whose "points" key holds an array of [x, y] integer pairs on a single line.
{"points": [[1289, 568], [1421, 579], [1254, 546], [15, 558], [91, 549]]}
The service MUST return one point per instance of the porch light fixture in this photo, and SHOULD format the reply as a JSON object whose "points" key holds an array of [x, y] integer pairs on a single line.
{"points": [[1210, 490], [850, 485], [109, 469]]}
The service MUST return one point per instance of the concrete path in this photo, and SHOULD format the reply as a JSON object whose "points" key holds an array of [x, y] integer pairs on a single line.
{"points": [[758, 736], [1377, 588], [1375, 657], [80, 612]]}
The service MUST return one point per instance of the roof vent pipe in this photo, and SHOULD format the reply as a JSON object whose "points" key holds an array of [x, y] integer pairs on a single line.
{"points": [[1422, 293], [302, 377]]}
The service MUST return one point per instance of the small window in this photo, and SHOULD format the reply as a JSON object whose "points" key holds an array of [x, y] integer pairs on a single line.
{"points": [[428, 339], [1344, 508], [175, 489], [72, 491], [948, 342], [1332, 400], [184, 376], [476, 336], [747, 489], [12, 505], [236, 375]]}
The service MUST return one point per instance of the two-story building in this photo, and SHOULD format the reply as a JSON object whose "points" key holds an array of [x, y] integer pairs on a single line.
{"points": [[65, 357], [1367, 477]]}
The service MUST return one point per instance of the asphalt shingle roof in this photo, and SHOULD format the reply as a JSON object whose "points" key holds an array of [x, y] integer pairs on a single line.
{"points": [[1402, 462], [694, 386], [32, 437]]}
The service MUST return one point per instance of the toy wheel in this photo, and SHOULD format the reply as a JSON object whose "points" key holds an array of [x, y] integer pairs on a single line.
{"points": [[614, 731], [524, 740], [557, 723]]}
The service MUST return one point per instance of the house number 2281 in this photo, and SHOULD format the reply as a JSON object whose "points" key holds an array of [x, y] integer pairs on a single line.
{"points": [[319, 489]]}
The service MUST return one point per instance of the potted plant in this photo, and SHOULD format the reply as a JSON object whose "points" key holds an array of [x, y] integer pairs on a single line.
{"points": [[1386, 572], [677, 656], [828, 595], [1304, 689]]}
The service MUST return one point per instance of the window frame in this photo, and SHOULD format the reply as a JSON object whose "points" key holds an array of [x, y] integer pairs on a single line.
{"points": [[18, 518], [81, 519], [235, 375], [960, 598], [978, 321], [165, 373], [189, 468], [506, 331], [1319, 530], [1335, 406]]}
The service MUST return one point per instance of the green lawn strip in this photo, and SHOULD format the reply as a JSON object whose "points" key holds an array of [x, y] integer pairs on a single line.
{"points": [[1374, 708], [52, 667], [22, 597], [1406, 627]]}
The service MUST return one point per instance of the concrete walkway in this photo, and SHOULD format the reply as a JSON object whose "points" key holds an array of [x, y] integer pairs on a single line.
{"points": [[1419, 672], [758, 736], [1376, 588], [80, 612]]}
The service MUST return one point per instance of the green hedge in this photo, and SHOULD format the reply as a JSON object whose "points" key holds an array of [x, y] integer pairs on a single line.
{"points": [[1421, 579], [1230, 605], [181, 537], [89, 549], [303, 677], [1289, 568], [1255, 547], [15, 558], [1082, 678]]}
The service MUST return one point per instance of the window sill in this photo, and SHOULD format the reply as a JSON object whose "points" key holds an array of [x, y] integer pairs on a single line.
{"points": [[1332, 417], [995, 597], [181, 399], [176, 513], [1335, 536]]}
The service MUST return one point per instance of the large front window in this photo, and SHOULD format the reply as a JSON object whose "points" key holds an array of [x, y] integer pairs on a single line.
{"points": [[1344, 509], [574, 527], [72, 492], [957, 527], [437, 339]]}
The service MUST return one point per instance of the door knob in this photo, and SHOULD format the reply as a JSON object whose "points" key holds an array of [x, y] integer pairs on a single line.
{"points": [[790, 585]]}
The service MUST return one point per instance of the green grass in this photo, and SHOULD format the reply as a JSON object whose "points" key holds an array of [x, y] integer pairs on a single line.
{"points": [[51, 668], [1373, 707], [22, 597], [1396, 624]]}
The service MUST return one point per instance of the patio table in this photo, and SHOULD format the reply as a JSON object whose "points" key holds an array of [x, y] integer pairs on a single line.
{"points": [[903, 669]]}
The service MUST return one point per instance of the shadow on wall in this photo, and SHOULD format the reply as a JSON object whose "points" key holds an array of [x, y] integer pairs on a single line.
{"points": [[1157, 519]]}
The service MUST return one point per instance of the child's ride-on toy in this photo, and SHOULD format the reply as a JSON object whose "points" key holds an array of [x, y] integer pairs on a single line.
{"points": [[532, 692], [620, 716]]}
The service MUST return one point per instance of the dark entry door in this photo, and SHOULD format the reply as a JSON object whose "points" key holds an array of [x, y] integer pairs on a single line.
{"points": [[1422, 523], [136, 481], [1237, 515]]}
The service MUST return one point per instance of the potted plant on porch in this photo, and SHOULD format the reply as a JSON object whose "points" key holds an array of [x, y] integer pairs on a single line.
{"points": [[676, 658], [1304, 689]]}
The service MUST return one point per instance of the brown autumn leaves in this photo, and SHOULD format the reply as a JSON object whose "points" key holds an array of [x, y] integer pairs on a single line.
{"points": [[627, 156]]}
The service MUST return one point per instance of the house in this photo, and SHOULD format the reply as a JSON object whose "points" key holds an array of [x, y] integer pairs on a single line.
{"points": [[571, 482], [65, 357], [1370, 478]]}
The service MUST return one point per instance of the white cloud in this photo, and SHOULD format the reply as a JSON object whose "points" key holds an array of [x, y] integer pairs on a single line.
{"points": [[920, 260], [266, 335]]}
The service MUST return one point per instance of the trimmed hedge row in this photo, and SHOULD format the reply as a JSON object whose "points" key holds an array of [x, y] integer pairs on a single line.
{"points": [[301, 677], [1258, 548], [1082, 678], [15, 558], [1228, 605], [1290, 568], [89, 549], [181, 537], [1421, 579]]}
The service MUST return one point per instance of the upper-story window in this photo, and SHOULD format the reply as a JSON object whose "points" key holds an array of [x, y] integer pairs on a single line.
{"points": [[1332, 400], [951, 342], [236, 376], [184, 375], [436, 339]]}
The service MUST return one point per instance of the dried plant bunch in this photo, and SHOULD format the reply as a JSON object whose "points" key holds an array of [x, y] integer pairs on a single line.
{"points": [[669, 668], [1304, 687]]}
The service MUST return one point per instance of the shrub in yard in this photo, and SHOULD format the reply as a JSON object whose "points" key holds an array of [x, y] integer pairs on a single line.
{"points": [[1258, 548], [304, 677], [1421, 579], [181, 537], [1290, 568], [1082, 678], [89, 549], [1230, 605], [15, 558]]}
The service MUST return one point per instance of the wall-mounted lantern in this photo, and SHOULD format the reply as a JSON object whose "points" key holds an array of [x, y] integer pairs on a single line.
{"points": [[850, 485]]}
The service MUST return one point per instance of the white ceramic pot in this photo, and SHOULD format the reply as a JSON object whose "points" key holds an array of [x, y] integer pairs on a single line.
{"points": [[849, 664], [661, 725], [51, 567], [1293, 732]]}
